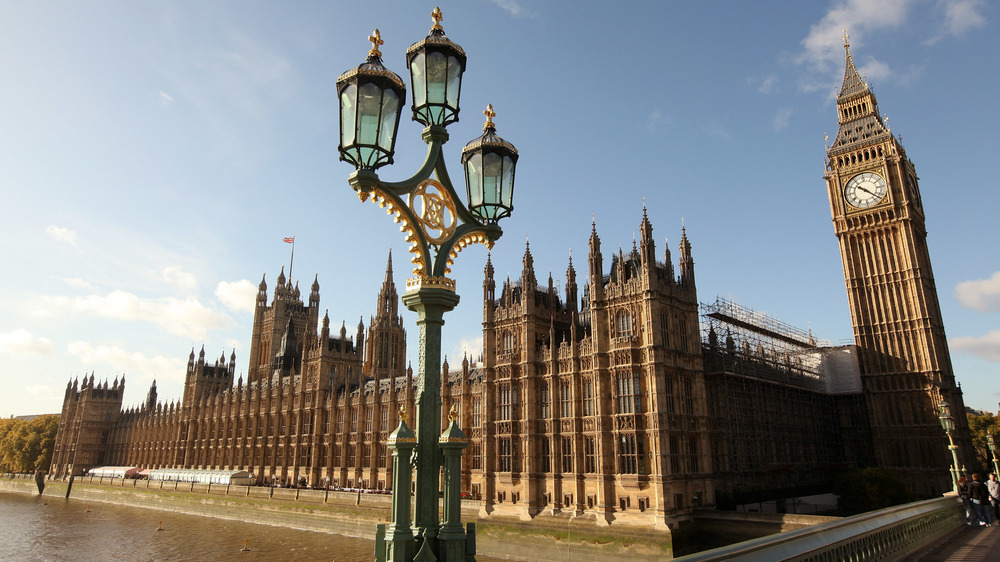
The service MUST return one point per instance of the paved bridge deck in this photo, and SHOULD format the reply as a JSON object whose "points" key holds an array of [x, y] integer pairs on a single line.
{"points": [[968, 544]]}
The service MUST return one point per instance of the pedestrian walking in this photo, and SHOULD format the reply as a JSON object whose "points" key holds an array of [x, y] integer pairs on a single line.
{"points": [[993, 487], [980, 497]]}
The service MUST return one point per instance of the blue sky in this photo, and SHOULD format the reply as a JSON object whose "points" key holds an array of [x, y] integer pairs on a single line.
{"points": [[154, 154]]}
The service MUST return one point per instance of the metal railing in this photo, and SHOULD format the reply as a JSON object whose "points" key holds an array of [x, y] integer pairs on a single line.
{"points": [[888, 534]]}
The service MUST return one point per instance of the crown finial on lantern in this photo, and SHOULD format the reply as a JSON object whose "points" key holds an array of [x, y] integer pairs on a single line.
{"points": [[490, 114], [376, 39], [437, 17]]}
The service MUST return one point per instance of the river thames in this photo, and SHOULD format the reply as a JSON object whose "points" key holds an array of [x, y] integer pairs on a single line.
{"points": [[49, 528]]}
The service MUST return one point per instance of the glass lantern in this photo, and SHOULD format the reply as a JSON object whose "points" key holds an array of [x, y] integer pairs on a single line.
{"points": [[489, 163], [436, 65], [371, 101]]}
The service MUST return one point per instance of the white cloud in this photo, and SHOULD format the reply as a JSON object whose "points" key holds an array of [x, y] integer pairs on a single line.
{"points": [[239, 295], [780, 120], [77, 282], [44, 391], [768, 85], [824, 46], [61, 234], [982, 294], [986, 347], [186, 317], [164, 98], [21, 342], [179, 278], [512, 7], [471, 347], [874, 70], [962, 15], [129, 363]]}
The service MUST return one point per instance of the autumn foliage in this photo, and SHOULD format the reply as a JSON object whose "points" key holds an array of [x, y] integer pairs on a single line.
{"points": [[26, 445]]}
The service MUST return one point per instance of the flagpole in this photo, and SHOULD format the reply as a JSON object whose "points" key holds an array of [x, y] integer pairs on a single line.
{"points": [[292, 260]]}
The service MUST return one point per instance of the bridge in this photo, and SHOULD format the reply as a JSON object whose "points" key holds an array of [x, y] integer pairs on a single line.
{"points": [[928, 531]]}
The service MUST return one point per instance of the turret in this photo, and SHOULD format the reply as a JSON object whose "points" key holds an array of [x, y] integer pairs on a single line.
{"points": [[262, 292], [686, 261], [388, 299], [287, 360], [571, 289], [647, 247], [667, 259], [151, 397], [360, 338], [279, 288], [314, 292], [489, 290], [596, 261], [528, 281]]}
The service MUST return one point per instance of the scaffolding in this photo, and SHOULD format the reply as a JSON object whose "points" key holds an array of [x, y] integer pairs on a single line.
{"points": [[758, 345], [776, 426]]}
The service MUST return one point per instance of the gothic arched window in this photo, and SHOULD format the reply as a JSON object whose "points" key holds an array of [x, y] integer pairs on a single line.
{"points": [[507, 341], [623, 324]]}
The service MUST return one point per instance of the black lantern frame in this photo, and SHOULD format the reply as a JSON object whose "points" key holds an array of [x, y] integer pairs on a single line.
{"points": [[371, 102], [489, 163], [436, 66]]}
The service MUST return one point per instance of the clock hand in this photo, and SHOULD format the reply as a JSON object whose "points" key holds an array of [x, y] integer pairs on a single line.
{"points": [[862, 188]]}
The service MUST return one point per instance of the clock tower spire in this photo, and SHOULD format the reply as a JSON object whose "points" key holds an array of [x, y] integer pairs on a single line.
{"points": [[902, 349]]}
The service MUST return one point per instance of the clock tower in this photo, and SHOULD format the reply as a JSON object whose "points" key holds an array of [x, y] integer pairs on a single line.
{"points": [[903, 353]]}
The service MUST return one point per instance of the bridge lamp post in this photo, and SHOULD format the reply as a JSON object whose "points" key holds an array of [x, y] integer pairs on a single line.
{"points": [[991, 441], [948, 424], [438, 225]]}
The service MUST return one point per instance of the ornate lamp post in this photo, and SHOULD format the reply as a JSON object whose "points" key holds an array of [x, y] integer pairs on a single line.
{"points": [[437, 225], [948, 424], [991, 441]]}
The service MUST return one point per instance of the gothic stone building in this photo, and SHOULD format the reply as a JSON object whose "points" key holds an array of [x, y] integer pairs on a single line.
{"points": [[592, 405], [607, 402], [903, 352]]}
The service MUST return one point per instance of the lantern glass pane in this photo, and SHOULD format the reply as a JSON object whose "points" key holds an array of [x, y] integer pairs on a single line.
{"points": [[387, 130], [454, 82], [347, 108], [419, 80], [474, 181], [492, 177], [507, 188], [369, 108], [437, 79]]}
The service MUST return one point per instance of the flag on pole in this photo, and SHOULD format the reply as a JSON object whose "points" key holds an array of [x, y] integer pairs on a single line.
{"points": [[290, 240]]}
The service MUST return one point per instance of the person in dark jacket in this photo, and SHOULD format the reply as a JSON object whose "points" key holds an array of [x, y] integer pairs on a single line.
{"points": [[963, 494], [980, 497]]}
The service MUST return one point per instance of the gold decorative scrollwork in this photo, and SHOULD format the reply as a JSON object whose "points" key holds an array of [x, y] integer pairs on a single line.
{"points": [[435, 210]]}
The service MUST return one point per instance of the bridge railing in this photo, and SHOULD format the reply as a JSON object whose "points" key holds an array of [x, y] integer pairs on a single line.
{"points": [[888, 534]]}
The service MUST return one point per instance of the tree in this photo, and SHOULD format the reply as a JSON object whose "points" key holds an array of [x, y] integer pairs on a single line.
{"points": [[869, 489], [27, 445], [979, 428]]}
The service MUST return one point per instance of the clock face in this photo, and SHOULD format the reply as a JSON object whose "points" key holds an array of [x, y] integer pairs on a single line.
{"points": [[865, 190]]}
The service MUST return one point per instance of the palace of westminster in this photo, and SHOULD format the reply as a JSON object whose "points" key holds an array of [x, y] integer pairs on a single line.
{"points": [[621, 399]]}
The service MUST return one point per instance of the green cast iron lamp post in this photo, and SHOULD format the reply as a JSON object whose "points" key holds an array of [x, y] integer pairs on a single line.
{"points": [[991, 441], [438, 225], [948, 424]]}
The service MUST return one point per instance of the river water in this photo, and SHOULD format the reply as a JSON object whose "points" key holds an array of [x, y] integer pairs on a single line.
{"points": [[48, 528]]}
